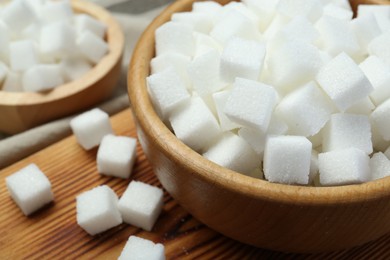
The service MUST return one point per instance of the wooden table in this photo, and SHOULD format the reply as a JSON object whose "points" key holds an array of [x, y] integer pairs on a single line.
{"points": [[52, 233]]}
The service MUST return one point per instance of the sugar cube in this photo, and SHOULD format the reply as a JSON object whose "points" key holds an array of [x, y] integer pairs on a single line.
{"points": [[74, 68], [337, 11], [220, 99], [347, 130], [287, 159], [91, 46], [29, 188], [305, 110], [241, 58], [234, 153], [141, 204], [54, 11], [42, 77], [341, 167], [137, 248], [200, 22], [310, 9], [380, 47], [366, 29], [379, 166], [116, 156], [17, 15], [85, 22], [381, 13], [90, 127], [343, 81], [22, 55], [381, 119], [264, 9], [175, 37], [241, 109], [203, 128], [97, 210]]}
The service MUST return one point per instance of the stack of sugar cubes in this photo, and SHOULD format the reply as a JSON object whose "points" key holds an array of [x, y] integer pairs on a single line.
{"points": [[295, 92], [44, 44]]}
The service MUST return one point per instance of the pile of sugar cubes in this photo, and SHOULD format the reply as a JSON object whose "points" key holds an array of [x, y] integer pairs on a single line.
{"points": [[294, 92], [44, 44]]}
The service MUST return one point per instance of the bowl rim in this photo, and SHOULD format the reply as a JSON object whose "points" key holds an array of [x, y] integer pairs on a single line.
{"points": [[167, 143], [115, 41]]}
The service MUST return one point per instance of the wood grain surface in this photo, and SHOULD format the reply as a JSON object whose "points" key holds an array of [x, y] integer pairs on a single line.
{"points": [[52, 233]]}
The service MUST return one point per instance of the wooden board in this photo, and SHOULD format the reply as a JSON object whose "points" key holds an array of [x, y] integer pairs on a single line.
{"points": [[52, 233]]}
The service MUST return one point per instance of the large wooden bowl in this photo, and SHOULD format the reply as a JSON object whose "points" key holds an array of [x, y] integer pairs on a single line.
{"points": [[21, 111], [253, 211]]}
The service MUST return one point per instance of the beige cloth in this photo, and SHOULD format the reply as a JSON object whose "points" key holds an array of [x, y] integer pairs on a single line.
{"points": [[19, 146]]}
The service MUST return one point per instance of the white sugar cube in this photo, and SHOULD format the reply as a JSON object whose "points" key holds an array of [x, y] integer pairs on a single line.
{"points": [[57, 40], [362, 107], [74, 68], [141, 204], [287, 159], [345, 131], [220, 99], [305, 110], [203, 128], [378, 73], [17, 15], [4, 41], [381, 119], [86, 22], [234, 153], [13, 82], [22, 55], [337, 11], [167, 91], [175, 37], [242, 58], [200, 22], [242, 9], [366, 29], [337, 36], [380, 47], [137, 248], [90, 127], [256, 139], [294, 64], [42, 77], [343, 81], [203, 72], [264, 9], [116, 156], [343, 167], [91, 46], [54, 11], [205, 43], [277, 24], [379, 166], [29, 188], [310, 9], [381, 13], [97, 210], [241, 110]]}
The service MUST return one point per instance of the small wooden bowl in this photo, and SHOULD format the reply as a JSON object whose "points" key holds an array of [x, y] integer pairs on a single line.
{"points": [[24, 110], [253, 211]]}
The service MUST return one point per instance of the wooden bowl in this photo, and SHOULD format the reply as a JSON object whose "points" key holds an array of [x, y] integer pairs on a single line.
{"points": [[253, 211], [23, 110]]}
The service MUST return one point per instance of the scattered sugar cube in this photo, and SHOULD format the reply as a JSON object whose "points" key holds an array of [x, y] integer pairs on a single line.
{"points": [[204, 73], [242, 58], [74, 68], [380, 47], [366, 29], [234, 153], [378, 73], [17, 15], [200, 22], [345, 131], [220, 99], [22, 55], [57, 40], [91, 46], [305, 110], [294, 64], [42, 77], [203, 128], [256, 139], [116, 156], [310, 9], [141, 204], [175, 37], [167, 91], [90, 127], [343, 81], [234, 25], [12, 82], [54, 11], [97, 210], [337, 11], [137, 248], [343, 167], [29, 188], [287, 159], [380, 166], [241, 109], [85, 22], [381, 119]]}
